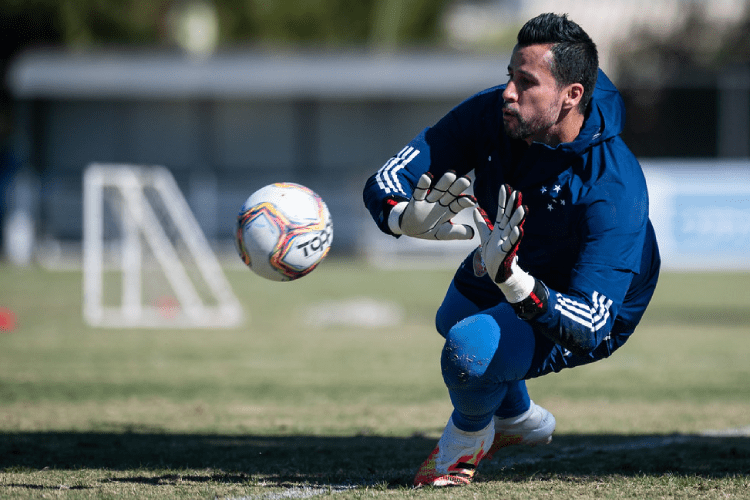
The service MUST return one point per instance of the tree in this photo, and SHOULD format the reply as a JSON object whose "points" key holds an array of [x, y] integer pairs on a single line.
{"points": [[145, 22]]}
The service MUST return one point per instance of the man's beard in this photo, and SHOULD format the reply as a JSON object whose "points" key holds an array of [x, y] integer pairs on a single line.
{"points": [[525, 128]]}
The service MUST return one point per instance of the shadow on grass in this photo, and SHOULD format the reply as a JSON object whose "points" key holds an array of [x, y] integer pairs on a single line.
{"points": [[274, 460], [391, 461]]}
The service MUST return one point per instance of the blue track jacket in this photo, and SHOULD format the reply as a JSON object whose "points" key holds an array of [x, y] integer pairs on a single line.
{"points": [[587, 234]]}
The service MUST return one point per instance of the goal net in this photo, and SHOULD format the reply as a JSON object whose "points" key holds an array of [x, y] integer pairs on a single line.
{"points": [[146, 261]]}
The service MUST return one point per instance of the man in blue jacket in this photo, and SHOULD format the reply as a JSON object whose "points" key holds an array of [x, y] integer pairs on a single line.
{"points": [[568, 259]]}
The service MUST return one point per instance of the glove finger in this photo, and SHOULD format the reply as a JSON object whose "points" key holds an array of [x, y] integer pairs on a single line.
{"points": [[512, 203], [457, 205], [514, 225], [511, 206], [512, 240], [518, 217], [441, 187], [423, 187], [445, 181], [454, 191], [462, 203], [519, 227], [450, 231], [482, 223], [503, 199], [459, 186]]}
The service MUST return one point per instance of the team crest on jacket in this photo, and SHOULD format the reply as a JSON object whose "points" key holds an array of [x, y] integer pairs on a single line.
{"points": [[479, 267], [556, 199]]}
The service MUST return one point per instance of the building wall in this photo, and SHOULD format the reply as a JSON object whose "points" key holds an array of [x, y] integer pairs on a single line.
{"points": [[222, 151]]}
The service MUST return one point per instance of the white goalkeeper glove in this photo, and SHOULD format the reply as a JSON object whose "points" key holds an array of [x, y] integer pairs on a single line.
{"points": [[500, 243], [429, 212]]}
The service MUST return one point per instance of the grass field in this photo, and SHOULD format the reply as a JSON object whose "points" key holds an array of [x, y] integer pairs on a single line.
{"points": [[315, 398]]}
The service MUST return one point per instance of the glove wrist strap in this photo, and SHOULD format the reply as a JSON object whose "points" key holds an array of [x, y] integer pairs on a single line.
{"points": [[394, 217], [518, 286], [535, 304]]}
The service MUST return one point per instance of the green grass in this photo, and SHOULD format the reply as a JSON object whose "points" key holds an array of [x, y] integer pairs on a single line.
{"points": [[283, 407]]}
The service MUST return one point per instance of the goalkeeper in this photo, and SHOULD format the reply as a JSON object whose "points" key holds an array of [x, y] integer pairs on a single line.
{"points": [[567, 261]]}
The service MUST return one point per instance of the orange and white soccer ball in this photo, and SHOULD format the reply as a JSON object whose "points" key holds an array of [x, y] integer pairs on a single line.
{"points": [[284, 231]]}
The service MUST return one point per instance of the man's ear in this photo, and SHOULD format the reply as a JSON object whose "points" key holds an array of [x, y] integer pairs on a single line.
{"points": [[573, 95]]}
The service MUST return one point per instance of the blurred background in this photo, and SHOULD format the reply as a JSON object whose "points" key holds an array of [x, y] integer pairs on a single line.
{"points": [[231, 95]]}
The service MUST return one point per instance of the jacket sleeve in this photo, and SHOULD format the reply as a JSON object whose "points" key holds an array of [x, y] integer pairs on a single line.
{"points": [[453, 143], [582, 316], [436, 149], [395, 180]]}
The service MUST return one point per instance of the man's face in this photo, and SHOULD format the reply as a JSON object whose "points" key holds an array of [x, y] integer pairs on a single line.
{"points": [[532, 99]]}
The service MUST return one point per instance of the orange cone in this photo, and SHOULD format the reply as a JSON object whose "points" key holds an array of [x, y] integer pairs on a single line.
{"points": [[7, 320]]}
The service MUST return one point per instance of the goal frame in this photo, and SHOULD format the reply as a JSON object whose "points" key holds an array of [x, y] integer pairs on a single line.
{"points": [[139, 225]]}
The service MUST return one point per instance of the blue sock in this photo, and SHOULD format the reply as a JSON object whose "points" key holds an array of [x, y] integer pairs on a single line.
{"points": [[516, 400], [474, 410]]}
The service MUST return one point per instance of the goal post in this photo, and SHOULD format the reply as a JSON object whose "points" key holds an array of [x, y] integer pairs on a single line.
{"points": [[140, 237]]}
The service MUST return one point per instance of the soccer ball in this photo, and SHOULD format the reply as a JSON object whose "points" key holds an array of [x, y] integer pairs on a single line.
{"points": [[284, 231]]}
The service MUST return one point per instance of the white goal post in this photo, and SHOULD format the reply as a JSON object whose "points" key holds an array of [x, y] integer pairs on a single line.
{"points": [[155, 235]]}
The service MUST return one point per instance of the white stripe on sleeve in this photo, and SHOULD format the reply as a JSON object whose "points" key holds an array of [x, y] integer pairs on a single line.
{"points": [[386, 176], [592, 317]]}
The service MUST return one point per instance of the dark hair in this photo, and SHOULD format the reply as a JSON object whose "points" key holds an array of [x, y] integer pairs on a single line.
{"points": [[575, 58]]}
